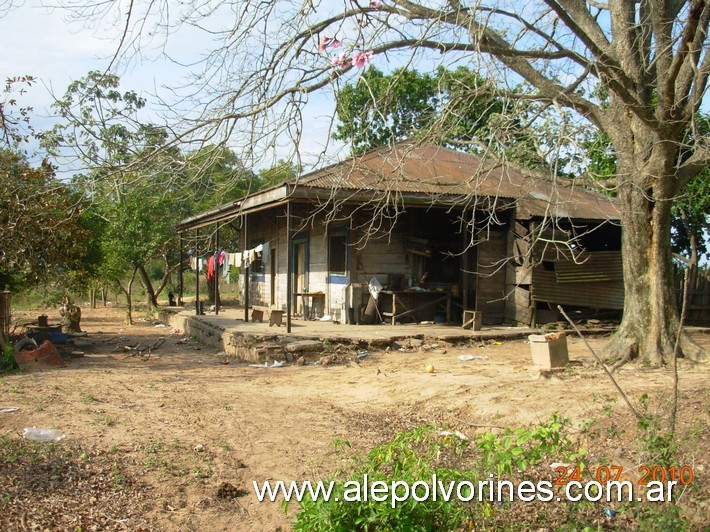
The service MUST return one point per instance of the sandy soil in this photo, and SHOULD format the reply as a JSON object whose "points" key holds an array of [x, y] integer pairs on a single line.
{"points": [[182, 423]]}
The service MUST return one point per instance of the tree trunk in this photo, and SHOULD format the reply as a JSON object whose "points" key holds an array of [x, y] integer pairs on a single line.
{"points": [[650, 322], [129, 304], [151, 299]]}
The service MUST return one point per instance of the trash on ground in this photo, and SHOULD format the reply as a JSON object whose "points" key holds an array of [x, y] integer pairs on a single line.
{"points": [[363, 354], [472, 357], [159, 325], [8, 409], [44, 435], [459, 435]]}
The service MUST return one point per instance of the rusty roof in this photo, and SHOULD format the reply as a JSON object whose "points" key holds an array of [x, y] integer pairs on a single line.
{"points": [[429, 171]]}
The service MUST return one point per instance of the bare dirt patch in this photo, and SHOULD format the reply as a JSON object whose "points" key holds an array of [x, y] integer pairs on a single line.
{"points": [[180, 435]]}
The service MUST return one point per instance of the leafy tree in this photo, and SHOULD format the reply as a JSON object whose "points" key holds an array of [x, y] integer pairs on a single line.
{"points": [[456, 107], [131, 181], [40, 230]]}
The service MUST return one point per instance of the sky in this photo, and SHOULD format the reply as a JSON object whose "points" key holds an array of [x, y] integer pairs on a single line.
{"points": [[43, 43]]}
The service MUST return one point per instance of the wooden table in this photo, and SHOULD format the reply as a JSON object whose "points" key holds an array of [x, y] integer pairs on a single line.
{"points": [[396, 305], [309, 311]]}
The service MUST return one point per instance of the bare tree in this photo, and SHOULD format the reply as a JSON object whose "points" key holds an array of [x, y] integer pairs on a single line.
{"points": [[635, 69]]}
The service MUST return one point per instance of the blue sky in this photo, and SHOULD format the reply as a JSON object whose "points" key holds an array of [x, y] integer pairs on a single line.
{"points": [[43, 43]]}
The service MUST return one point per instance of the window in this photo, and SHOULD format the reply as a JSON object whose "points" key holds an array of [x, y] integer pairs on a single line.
{"points": [[338, 252]]}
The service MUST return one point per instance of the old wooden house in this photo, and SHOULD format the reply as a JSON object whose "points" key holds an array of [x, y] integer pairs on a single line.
{"points": [[441, 231]]}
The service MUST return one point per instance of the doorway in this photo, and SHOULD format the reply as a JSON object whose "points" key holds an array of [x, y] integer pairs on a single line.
{"points": [[300, 271]]}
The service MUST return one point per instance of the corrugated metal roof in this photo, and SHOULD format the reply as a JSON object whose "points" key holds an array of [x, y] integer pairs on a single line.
{"points": [[432, 170], [429, 173]]}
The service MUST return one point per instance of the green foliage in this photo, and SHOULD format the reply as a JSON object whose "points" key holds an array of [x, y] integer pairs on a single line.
{"points": [[42, 238], [656, 442], [7, 363], [410, 457], [456, 108], [518, 449], [419, 454]]}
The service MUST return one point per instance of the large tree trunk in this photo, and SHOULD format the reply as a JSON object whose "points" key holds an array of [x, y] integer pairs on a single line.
{"points": [[647, 185], [650, 323]]}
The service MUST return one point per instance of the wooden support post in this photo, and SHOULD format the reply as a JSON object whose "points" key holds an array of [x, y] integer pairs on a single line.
{"points": [[247, 272], [289, 267], [181, 269], [216, 271], [197, 272]]}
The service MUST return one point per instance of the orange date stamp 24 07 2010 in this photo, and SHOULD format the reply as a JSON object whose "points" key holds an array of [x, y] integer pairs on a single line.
{"points": [[683, 475]]}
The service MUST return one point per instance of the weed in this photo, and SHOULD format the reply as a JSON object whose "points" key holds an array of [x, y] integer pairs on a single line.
{"points": [[7, 363], [106, 421], [516, 450], [154, 447], [88, 398]]}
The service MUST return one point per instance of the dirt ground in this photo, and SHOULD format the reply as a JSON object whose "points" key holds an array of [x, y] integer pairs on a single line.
{"points": [[174, 441]]}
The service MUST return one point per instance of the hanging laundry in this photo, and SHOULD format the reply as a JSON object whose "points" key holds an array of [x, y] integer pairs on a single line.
{"points": [[210, 267]]}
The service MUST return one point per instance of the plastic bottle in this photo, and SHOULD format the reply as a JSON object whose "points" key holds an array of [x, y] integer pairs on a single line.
{"points": [[45, 435]]}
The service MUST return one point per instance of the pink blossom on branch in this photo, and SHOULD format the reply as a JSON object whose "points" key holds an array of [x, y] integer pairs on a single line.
{"points": [[375, 4], [360, 59], [326, 42], [341, 60]]}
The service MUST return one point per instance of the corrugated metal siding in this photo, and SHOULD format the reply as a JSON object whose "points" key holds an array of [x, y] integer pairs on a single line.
{"points": [[600, 266], [600, 295]]}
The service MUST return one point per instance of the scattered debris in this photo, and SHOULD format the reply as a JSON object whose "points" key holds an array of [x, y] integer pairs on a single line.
{"points": [[430, 369], [43, 435], [159, 325], [199, 448], [26, 344], [472, 357], [276, 364], [8, 409], [137, 350], [362, 354], [459, 435], [227, 490], [44, 356]]}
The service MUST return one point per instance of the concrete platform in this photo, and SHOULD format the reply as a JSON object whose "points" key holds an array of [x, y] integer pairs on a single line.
{"points": [[229, 332]]}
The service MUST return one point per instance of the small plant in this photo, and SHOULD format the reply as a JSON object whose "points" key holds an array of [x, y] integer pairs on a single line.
{"points": [[106, 421], [88, 398], [516, 450], [657, 445], [411, 457], [8, 360]]}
